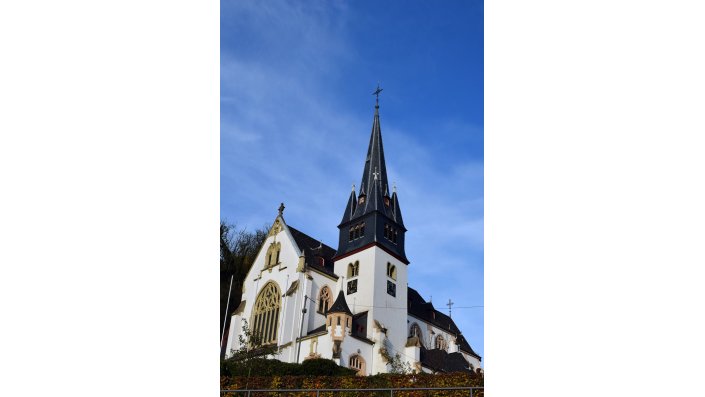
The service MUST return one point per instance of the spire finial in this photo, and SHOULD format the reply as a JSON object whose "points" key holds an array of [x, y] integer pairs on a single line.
{"points": [[376, 93], [353, 187], [281, 209], [395, 187]]}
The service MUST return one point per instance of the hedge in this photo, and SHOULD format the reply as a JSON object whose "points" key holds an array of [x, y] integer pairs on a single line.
{"points": [[265, 367], [381, 381]]}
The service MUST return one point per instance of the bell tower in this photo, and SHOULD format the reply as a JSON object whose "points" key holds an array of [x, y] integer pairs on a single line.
{"points": [[373, 217], [371, 256]]}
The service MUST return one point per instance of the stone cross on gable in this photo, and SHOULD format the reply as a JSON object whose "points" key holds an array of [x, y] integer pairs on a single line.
{"points": [[281, 209]]}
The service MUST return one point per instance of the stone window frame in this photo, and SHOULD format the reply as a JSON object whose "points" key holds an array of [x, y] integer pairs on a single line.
{"points": [[390, 233], [325, 299], [273, 252], [353, 269], [357, 231], [264, 320], [391, 271], [415, 326], [440, 343], [357, 362]]}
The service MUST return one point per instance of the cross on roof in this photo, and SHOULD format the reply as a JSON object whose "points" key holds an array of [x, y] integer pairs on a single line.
{"points": [[376, 93], [450, 307], [281, 209]]}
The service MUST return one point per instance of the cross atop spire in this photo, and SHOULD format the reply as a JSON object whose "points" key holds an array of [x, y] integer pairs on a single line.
{"points": [[372, 208], [376, 93]]}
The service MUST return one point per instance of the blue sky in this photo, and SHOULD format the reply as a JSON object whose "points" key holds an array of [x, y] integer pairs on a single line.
{"points": [[296, 114]]}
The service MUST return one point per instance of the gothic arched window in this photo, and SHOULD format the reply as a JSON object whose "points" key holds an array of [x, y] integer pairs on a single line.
{"points": [[324, 300], [440, 342], [273, 254], [353, 269], [415, 330], [357, 363], [391, 271], [265, 315]]}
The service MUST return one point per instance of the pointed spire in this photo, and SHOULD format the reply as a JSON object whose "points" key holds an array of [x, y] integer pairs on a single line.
{"points": [[350, 208], [396, 211], [340, 305], [374, 208], [375, 166]]}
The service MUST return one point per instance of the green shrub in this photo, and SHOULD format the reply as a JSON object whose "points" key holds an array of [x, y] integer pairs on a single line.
{"points": [[267, 367], [324, 367]]}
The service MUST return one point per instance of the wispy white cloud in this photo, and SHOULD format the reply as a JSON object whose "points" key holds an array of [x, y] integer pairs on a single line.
{"points": [[285, 137]]}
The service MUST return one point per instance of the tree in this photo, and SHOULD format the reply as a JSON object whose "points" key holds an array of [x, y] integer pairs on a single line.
{"points": [[397, 365], [238, 249], [251, 346]]}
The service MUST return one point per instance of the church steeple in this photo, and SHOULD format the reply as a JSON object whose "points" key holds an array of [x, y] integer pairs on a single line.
{"points": [[373, 218], [375, 167]]}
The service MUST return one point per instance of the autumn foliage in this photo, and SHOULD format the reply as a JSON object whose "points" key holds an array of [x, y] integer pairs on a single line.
{"points": [[382, 381]]}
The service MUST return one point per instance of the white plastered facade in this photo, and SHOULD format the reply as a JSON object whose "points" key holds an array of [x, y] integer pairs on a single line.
{"points": [[388, 321]]}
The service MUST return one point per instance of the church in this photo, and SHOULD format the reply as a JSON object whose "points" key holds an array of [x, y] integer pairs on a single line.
{"points": [[352, 305]]}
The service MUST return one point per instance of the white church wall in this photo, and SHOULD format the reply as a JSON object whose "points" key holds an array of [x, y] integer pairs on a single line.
{"points": [[372, 292], [293, 329], [283, 274], [352, 346], [318, 282], [412, 355], [472, 360], [431, 332]]}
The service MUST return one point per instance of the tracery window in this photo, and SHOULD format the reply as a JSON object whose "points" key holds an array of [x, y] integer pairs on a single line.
{"points": [[265, 315], [357, 363], [440, 342], [324, 298]]}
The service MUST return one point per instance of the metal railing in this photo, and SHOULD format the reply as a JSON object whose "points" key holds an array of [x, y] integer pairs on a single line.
{"points": [[472, 391]]}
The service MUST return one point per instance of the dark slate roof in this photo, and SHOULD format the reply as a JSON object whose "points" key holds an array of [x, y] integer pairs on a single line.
{"points": [[340, 305], [396, 211], [350, 207], [377, 210], [441, 361], [317, 255], [359, 326], [317, 330], [374, 165], [418, 307]]}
